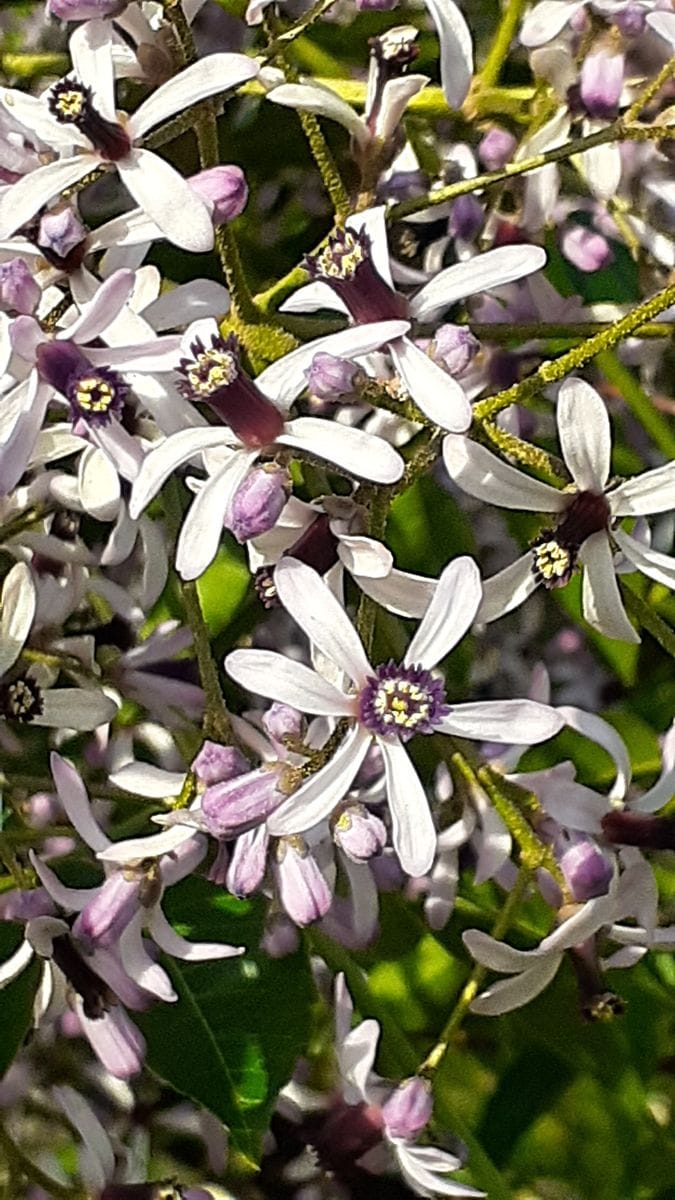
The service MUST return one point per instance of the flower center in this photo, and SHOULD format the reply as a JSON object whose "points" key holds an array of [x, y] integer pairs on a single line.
{"points": [[400, 701], [97, 397], [555, 553], [21, 700], [346, 266], [70, 102], [213, 374]]}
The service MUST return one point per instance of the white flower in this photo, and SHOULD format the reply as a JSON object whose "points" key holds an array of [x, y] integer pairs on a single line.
{"points": [[388, 704], [352, 276], [79, 111], [588, 515], [253, 417]]}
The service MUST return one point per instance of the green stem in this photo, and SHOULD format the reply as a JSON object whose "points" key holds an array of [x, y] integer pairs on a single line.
{"points": [[653, 87], [378, 510], [502, 42], [279, 44], [617, 131], [553, 370], [326, 164], [493, 331], [544, 464], [648, 618]]}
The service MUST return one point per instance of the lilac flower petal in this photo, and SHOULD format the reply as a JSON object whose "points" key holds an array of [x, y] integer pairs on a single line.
{"points": [[266, 673], [90, 49], [404, 594], [480, 473], [600, 597], [213, 73], [21, 201], [356, 1056], [140, 967], [17, 612], [203, 525], [115, 1040], [316, 798], [167, 197], [76, 708], [545, 21], [651, 492], [456, 50], [523, 722], [509, 994], [356, 451], [439, 396], [600, 731], [492, 269], [660, 567], [97, 1158], [423, 1166], [506, 590], [17, 962], [73, 796], [172, 943], [161, 462], [311, 603], [67, 898], [449, 615], [312, 297], [313, 98], [585, 435], [413, 830], [101, 311], [153, 846]]}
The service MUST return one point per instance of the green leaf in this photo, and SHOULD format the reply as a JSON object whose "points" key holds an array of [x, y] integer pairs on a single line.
{"points": [[426, 528], [223, 587], [16, 1000], [232, 1039]]}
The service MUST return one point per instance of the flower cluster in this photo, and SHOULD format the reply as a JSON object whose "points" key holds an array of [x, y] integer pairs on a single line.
{"points": [[266, 635]]}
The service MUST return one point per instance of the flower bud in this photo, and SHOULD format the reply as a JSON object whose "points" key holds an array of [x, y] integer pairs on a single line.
{"points": [[61, 237], [240, 804], [258, 502], [632, 21], [303, 891], [496, 148], [408, 1109], [85, 10], [248, 863], [224, 190], [586, 869], [359, 833], [216, 763], [282, 721], [331, 378], [453, 348], [466, 218], [104, 919], [19, 293], [585, 249], [601, 83]]}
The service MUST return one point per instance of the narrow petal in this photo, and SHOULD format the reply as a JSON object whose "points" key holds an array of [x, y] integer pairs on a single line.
{"points": [[99, 1160], [356, 451], [18, 610], [140, 967], [356, 1055], [456, 49], [546, 20], [449, 615], [523, 722], [479, 274], [69, 899], [99, 486], [90, 49], [21, 201], [480, 473], [413, 831], [439, 396], [101, 311], [663, 23], [585, 435], [213, 73], [167, 197], [316, 799], [17, 962], [282, 679], [312, 297], [508, 994], [310, 97], [172, 943], [600, 731], [76, 708], [506, 590], [286, 378], [600, 597], [660, 567], [153, 846], [316, 610], [651, 492], [363, 555], [73, 796], [404, 594], [148, 780], [186, 303], [203, 525], [161, 462]]}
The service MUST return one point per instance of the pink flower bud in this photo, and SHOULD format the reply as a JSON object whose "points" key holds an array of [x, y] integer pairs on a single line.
{"points": [[303, 891], [239, 804], [224, 189], [453, 348], [601, 83], [216, 763], [282, 721], [85, 10], [408, 1109], [258, 502], [466, 218], [61, 238], [359, 833], [496, 148], [585, 249], [104, 919], [249, 862], [19, 293], [587, 870], [331, 378]]}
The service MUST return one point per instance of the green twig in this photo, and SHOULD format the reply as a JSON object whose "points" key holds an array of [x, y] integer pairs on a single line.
{"points": [[501, 45], [648, 618]]}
